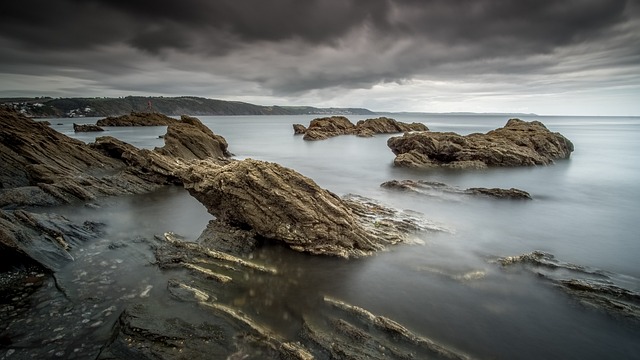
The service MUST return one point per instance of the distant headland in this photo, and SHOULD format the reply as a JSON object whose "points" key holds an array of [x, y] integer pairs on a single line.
{"points": [[49, 107]]}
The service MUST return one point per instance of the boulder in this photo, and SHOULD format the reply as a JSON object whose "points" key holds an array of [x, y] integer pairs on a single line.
{"points": [[324, 128], [518, 143], [278, 203], [299, 129], [191, 139], [86, 128], [137, 119]]}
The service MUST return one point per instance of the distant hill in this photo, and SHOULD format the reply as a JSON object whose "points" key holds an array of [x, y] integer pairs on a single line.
{"points": [[102, 107]]}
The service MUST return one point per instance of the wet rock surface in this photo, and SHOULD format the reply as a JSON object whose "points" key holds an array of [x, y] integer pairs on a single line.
{"points": [[324, 128], [430, 188], [44, 238], [137, 119], [518, 143], [234, 319], [593, 288]]}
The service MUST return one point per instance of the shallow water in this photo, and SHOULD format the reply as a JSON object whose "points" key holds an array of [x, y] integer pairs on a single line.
{"points": [[584, 212]]}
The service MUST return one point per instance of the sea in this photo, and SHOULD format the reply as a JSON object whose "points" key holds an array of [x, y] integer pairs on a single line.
{"points": [[584, 217]]}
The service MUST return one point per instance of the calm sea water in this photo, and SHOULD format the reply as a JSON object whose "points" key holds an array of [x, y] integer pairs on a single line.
{"points": [[585, 212]]}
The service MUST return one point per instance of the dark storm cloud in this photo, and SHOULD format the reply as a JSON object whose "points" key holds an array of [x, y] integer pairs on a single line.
{"points": [[293, 46]]}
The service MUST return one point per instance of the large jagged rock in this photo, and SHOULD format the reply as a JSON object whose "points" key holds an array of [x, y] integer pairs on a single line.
{"points": [[518, 143], [137, 119], [190, 139], [40, 166], [278, 203], [324, 128]]}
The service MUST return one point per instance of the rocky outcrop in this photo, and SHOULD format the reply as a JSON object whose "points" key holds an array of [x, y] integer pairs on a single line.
{"points": [[518, 143], [86, 128], [190, 139], [324, 128], [430, 187], [384, 125], [137, 119], [40, 166], [278, 203]]}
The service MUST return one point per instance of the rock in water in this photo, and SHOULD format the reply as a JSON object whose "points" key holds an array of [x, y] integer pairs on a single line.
{"points": [[86, 128], [280, 204], [137, 119], [191, 139], [518, 143], [324, 128]]}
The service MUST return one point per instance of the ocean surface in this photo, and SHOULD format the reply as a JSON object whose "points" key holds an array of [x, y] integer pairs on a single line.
{"points": [[585, 214]]}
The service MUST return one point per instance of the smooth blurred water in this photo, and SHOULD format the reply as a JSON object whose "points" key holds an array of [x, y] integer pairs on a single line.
{"points": [[585, 211]]}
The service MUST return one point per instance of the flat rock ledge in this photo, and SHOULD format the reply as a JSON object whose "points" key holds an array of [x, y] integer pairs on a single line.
{"points": [[431, 187], [86, 128], [137, 119], [518, 143], [324, 128]]}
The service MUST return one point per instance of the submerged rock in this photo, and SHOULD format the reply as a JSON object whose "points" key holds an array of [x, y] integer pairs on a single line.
{"points": [[430, 187], [518, 143], [592, 287], [137, 119], [324, 128], [86, 128]]}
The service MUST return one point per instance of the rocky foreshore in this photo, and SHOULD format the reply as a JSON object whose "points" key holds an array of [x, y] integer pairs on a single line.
{"points": [[518, 143], [324, 128]]}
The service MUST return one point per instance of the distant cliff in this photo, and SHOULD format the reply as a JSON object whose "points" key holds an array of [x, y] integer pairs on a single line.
{"points": [[101, 107]]}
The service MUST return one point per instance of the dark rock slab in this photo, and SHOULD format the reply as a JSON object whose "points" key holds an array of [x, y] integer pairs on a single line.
{"points": [[518, 143], [44, 238], [430, 187]]}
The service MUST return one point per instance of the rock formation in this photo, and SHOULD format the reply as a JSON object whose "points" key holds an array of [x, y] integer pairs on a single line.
{"points": [[137, 119], [430, 187], [324, 128], [518, 143], [40, 166], [190, 139], [86, 128], [278, 203]]}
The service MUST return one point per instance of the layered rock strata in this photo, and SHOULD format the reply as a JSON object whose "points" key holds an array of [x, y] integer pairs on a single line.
{"points": [[518, 143], [430, 187]]}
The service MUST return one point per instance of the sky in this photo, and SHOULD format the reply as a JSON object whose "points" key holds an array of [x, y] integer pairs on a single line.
{"points": [[550, 57]]}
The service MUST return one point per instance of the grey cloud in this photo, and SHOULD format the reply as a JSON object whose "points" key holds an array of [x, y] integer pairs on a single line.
{"points": [[292, 46]]}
